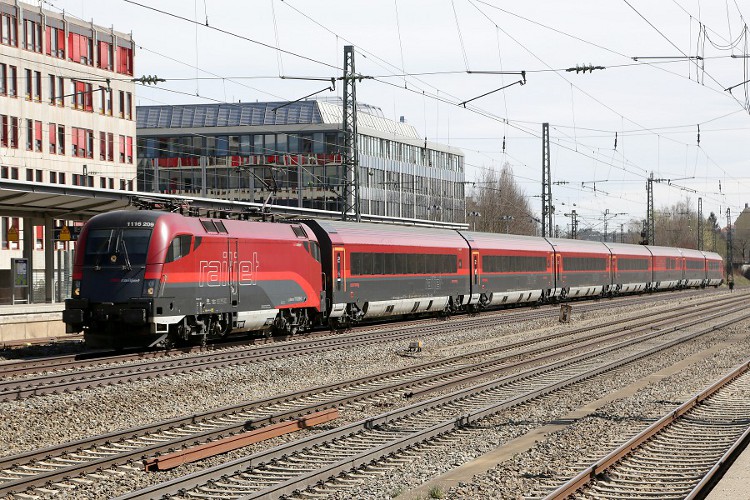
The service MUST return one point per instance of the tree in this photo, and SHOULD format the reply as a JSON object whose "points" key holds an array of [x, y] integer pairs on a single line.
{"points": [[498, 205], [711, 235]]}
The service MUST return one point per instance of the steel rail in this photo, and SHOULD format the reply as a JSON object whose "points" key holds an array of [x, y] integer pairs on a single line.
{"points": [[651, 434], [94, 358], [392, 420], [646, 321]]}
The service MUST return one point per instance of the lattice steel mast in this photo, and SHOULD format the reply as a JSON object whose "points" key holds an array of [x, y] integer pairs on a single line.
{"points": [[350, 191], [546, 184]]}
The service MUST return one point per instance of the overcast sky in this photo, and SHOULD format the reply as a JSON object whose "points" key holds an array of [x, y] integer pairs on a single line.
{"points": [[653, 105]]}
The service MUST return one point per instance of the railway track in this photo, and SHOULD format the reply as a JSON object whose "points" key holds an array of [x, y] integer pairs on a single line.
{"points": [[377, 442], [54, 464], [55, 383], [679, 456], [84, 360]]}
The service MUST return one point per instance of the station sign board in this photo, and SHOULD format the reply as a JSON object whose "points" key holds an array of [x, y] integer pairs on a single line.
{"points": [[67, 233]]}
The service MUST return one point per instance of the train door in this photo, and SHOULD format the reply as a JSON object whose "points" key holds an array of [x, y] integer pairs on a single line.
{"points": [[558, 271], [233, 271], [339, 279], [475, 271], [613, 273]]}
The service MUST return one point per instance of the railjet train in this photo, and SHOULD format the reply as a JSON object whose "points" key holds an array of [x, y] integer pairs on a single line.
{"points": [[147, 278]]}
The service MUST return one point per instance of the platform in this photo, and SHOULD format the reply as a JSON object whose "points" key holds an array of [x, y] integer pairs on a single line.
{"points": [[28, 322]]}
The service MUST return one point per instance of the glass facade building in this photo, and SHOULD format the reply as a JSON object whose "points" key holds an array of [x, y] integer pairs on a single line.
{"points": [[292, 154]]}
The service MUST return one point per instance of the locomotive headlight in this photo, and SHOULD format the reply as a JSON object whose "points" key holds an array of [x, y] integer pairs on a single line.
{"points": [[76, 288], [148, 288]]}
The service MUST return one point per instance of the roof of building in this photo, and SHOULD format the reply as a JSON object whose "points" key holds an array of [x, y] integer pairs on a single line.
{"points": [[266, 114], [742, 224]]}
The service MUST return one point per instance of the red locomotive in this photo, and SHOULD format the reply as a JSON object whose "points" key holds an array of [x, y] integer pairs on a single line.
{"points": [[145, 278]]}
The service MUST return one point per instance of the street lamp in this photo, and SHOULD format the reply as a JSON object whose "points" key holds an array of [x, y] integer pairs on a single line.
{"points": [[474, 221], [506, 219]]}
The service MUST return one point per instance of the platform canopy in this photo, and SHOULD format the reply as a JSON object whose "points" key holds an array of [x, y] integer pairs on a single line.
{"points": [[40, 200]]}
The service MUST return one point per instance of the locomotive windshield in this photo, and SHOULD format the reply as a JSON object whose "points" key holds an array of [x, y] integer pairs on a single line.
{"points": [[122, 247]]}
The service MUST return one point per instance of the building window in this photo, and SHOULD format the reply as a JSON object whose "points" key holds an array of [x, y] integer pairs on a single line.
{"points": [[60, 91], [52, 138], [111, 183], [12, 81], [30, 174], [4, 131], [61, 142], [78, 142], [9, 30], [7, 223], [103, 182], [110, 147], [122, 184], [122, 149], [29, 136], [39, 238], [13, 132], [38, 86], [129, 105], [3, 79], [53, 177], [129, 148], [82, 95], [89, 135], [33, 35], [38, 136], [39, 177], [102, 146], [55, 39], [52, 89], [105, 56], [122, 104], [61, 178], [80, 49], [102, 100], [29, 84], [125, 61], [4, 172], [108, 101]]}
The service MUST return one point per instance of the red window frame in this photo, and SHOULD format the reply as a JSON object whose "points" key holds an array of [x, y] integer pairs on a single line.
{"points": [[52, 133], [37, 136], [125, 61]]}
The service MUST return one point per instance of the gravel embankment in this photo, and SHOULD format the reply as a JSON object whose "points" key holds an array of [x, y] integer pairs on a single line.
{"points": [[552, 461], [43, 421]]}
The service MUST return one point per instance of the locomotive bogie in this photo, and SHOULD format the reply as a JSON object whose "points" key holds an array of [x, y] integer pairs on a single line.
{"points": [[631, 288], [514, 297], [399, 307]]}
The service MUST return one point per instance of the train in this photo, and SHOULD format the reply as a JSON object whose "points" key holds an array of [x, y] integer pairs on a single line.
{"points": [[151, 278]]}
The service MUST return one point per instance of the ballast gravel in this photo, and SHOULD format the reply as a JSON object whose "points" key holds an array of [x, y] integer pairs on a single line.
{"points": [[43, 421]]}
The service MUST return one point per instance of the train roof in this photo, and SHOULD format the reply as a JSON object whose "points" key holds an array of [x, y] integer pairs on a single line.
{"points": [[578, 246], [496, 241], [173, 223], [664, 251], [712, 255], [342, 233], [692, 254], [628, 249]]}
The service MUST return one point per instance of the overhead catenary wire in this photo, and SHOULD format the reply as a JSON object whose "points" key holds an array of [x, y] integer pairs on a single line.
{"points": [[443, 94]]}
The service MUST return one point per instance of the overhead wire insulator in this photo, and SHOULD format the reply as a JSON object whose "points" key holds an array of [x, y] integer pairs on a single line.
{"points": [[149, 80]]}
